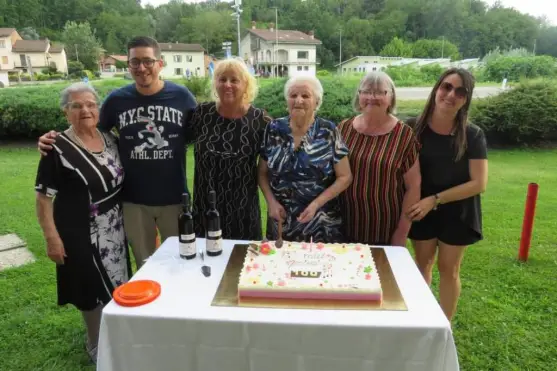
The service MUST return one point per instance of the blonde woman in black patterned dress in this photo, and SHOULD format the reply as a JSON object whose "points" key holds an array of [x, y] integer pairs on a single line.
{"points": [[228, 134], [78, 207]]}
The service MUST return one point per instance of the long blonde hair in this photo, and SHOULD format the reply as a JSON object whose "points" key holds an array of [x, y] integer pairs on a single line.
{"points": [[461, 119]]}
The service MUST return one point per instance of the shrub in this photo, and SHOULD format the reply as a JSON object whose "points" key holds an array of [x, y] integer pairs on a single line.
{"points": [[199, 86], [75, 67], [337, 99], [323, 73], [525, 115], [31, 111], [517, 68]]}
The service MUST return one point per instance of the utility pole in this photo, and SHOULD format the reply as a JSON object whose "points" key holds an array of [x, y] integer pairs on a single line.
{"points": [[275, 56], [76, 52], [238, 11], [443, 48], [340, 51], [276, 35]]}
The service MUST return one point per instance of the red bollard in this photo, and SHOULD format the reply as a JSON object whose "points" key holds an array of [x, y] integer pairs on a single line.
{"points": [[528, 222]]}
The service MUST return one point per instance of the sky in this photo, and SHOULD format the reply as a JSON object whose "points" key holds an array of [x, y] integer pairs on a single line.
{"points": [[536, 8]]}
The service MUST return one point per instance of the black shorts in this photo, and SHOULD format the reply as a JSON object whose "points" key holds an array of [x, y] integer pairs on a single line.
{"points": [[444, 227]]}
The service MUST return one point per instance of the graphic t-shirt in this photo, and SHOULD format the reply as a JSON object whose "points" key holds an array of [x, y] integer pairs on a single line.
{"points": [[152, 133]]}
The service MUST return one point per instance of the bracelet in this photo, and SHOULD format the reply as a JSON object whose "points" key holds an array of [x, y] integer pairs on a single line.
{"points": [[437, 201]]}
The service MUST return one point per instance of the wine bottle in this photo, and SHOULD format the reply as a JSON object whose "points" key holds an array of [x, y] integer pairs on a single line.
{"points": [[212, 226], [188, 248]]}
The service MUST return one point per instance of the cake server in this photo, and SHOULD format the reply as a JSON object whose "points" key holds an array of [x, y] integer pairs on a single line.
{"points": [[278, 243]]}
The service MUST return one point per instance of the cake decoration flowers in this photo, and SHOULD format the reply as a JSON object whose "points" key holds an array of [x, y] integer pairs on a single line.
{"points": [[265, 249]]}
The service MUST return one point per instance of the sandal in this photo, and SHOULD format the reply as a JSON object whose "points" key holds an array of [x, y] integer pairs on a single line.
{"points": [[92, 354]]}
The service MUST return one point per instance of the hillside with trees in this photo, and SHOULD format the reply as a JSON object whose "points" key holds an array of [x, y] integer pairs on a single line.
{"points": [[419, 28]]}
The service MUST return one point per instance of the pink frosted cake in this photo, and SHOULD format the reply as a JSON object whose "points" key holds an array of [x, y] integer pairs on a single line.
{"points": [[309, 271]]}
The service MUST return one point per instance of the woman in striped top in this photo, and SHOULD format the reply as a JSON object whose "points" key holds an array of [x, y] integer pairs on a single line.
{"points": [[384, 161]]}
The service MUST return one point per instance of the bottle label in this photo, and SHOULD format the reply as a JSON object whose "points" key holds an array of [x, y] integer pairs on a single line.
{"points": [[214, 234], [187, 237], [214, 245], [187, 248]]}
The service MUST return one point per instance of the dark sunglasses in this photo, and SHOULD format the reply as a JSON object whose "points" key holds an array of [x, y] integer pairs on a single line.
{"points": [[460, 92], [147, 62]]}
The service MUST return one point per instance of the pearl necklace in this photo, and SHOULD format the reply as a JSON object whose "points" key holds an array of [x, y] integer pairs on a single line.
{"points": [[81, 144]]}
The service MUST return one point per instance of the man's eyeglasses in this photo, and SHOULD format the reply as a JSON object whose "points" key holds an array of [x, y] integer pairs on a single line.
{"points": [[147, 62], [373, 93], [460, 92], [78, 106]]}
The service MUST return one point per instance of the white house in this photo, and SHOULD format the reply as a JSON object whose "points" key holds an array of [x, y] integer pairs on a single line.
{"points": [[4, 80], [364, 64], [182, 58], [467, 63], [17, 54], [280, 52], [8, 37]]}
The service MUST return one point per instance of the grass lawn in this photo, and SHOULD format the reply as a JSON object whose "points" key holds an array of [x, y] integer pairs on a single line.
{"points": [[507, 313]]}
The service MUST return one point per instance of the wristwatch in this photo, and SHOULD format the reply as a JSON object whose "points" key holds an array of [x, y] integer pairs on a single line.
{"points": [[437, 201]]}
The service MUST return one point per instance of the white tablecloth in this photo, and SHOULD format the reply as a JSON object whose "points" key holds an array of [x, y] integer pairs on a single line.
{"points": [[180, 330]]}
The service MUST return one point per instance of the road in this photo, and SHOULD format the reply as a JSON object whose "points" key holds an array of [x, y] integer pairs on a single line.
{"points": [[423, 93]]}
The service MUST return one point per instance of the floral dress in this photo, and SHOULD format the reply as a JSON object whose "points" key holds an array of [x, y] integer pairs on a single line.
{"points": [[298, 176], [88, 217]]}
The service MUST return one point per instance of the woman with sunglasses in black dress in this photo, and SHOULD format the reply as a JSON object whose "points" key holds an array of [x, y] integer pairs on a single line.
{"points": [[453, 159]]}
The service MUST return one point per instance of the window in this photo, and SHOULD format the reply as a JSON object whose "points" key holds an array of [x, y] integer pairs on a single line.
{"points": [[4, 60], [189, 58], [299, 68], [303, 54], [306, 68], [2, 44], [178, 71], [178, 58]]}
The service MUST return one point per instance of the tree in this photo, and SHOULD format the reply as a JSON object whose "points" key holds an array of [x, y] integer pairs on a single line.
{"points": [[82, 44], [425, 48], [547, 41], [368, 26], [397, 48], [29, 33]]}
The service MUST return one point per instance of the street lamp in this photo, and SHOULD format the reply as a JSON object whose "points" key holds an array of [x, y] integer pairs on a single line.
{"points": [[238, 11], [275, 55], [226, 46], [340, 51]]}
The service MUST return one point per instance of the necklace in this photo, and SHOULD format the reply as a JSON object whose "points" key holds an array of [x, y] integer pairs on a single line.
{"points": [[102, 157], [81, 144]]}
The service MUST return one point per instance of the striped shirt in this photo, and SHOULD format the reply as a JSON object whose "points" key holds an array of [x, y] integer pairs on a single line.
{"points": [[372, 204]]}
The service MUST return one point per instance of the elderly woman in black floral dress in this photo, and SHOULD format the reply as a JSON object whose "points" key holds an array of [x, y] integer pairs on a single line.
{"points": [[79, 211]]}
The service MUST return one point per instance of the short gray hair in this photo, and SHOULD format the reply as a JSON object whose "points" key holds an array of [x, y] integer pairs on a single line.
{"points": [[313, 83], [78, 87], [374, 79]]}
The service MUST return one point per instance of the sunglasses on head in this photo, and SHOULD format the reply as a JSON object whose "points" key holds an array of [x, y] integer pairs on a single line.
{"points": [[460, 92]]}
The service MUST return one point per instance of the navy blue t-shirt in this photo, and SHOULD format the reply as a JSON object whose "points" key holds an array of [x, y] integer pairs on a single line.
{"points": [[152, 130]]}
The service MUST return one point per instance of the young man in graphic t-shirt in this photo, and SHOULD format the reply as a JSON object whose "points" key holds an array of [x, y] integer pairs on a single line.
{"points": [[150, 119]]}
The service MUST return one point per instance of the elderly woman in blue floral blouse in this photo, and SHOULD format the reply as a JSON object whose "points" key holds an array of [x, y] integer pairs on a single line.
{"points": [[303, 168]]}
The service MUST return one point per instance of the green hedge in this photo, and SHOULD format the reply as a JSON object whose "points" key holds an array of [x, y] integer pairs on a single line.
{"points": [[525, 115], [517, 68], [27, 112]]}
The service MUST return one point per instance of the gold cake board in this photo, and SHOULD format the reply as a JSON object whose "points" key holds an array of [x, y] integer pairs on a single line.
{"points": [[227, 292]]}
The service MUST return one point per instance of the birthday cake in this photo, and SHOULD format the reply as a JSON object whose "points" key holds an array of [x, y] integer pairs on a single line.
{"points": [[309, 271]]}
